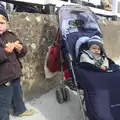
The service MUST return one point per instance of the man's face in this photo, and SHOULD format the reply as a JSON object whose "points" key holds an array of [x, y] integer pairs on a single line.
{"points": [[3, 24], [95, 49]]}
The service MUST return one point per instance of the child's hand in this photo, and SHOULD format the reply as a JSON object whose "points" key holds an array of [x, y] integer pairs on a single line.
{"points": [[9, 47], [18, 46], [17, 42], [103, 67]]}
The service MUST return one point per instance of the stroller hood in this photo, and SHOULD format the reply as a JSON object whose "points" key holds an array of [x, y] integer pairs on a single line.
{"points": [[80, 16], [76, 22]]}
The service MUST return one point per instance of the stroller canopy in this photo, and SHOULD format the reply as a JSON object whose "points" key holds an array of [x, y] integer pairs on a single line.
{"points": [[72, 13], [76, 22]]}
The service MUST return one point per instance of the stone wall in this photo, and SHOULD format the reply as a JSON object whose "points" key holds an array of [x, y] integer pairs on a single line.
{"points": [[111, 34], [37, 31]]}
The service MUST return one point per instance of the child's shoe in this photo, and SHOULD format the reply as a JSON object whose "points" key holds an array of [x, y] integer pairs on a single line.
{"points": [[27, 113]]}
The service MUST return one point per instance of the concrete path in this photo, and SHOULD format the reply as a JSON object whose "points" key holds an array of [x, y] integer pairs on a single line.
{"points": [[49, 109]]}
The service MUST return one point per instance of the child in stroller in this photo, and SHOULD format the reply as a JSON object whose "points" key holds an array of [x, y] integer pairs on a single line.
{"points": [[95, 53]]}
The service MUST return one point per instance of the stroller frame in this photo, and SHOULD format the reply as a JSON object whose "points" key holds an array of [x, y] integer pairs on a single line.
{"points": [[62, 93]]}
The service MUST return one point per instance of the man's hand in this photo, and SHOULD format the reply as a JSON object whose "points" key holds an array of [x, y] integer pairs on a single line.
{"points": [[18, 46], [9, 47]]}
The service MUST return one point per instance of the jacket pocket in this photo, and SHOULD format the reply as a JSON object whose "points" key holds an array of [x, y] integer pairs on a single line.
{"points": [[7, 72], [18, 68]]}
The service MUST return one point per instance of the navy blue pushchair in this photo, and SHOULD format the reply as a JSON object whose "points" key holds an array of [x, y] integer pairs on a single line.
{"points": [[100, 88]]}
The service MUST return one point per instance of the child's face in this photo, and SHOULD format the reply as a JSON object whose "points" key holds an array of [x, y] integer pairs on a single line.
{"points": [[3, 24], [95, 49]]}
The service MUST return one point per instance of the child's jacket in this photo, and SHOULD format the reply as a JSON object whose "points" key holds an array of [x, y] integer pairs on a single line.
{"points": [[10, 65]]}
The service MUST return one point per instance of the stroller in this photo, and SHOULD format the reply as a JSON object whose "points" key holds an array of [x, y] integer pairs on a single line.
{"points": [[100, 88]]}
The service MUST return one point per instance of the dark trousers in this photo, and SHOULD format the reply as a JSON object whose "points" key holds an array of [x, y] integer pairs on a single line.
{"points": [[11, 95], [5, 101], [17, 98]]}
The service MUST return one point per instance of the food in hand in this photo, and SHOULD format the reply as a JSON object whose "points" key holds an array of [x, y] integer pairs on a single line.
{"points": [[8, 44], [17, 42]]}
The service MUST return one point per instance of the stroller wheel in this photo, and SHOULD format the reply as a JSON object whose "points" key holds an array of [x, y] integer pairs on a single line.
{"points": [[66, 95], [59, 96]]}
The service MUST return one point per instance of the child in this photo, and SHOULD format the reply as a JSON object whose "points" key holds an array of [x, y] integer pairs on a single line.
{"points": [[95, 53], [11, 49]]}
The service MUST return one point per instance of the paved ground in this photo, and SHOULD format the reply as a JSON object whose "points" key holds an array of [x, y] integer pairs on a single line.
{"points": [[49, 109]]}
